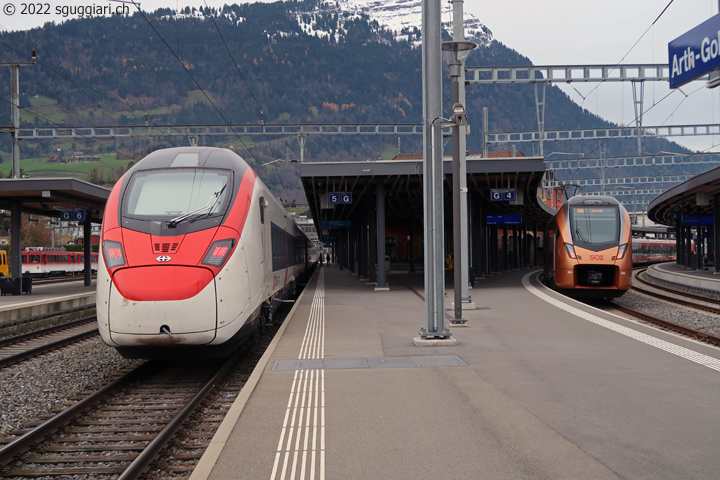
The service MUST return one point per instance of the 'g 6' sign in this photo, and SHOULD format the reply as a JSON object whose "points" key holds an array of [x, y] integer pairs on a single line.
{"points": [[73, 215]]}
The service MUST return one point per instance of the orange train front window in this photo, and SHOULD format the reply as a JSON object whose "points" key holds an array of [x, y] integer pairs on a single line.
{"points": [[595, 226]]}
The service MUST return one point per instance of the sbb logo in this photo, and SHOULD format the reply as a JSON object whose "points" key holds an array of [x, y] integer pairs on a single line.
{"points": [[596, 257]]}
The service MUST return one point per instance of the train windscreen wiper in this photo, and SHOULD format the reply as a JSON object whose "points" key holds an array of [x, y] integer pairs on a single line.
{"points": [[214, 198]]}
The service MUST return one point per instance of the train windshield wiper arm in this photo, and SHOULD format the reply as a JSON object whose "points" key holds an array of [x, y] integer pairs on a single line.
{"points": [[214, 198]]}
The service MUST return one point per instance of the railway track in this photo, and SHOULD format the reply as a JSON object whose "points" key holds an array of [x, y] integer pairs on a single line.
{"points": [[696, 302], [56, 280], [27, 345], [675, 327], [707, 304], [117, 431]]}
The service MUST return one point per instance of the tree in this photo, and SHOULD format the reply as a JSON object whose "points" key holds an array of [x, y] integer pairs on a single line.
{"points": [[35, 234]]}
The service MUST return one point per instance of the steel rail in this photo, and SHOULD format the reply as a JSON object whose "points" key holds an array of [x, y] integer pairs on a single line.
{"points": [[38, 333], [701, 336], [143, 461], [21, 444], [682, 294], [13, 359]]}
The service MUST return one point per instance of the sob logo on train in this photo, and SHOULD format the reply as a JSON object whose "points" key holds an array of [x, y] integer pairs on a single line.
{"points": [[596, 257]]}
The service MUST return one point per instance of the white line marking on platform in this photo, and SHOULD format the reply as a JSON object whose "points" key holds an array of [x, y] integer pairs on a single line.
{"points": [[683, 352], [306, 404]]}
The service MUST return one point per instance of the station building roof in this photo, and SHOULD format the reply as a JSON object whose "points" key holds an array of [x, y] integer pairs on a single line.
{"points": [[402, 180], [692, 197], [51, 196]]}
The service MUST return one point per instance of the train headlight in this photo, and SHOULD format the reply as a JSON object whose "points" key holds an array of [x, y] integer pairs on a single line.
{"points": [[621, 251], [113, 254], [218, 252], [570, 251]]}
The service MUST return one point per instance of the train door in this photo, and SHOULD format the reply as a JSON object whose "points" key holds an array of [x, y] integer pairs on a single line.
{"points": [[264, 239]]}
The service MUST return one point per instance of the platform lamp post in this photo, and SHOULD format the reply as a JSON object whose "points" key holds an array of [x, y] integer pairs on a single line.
{"points": [[455, 54]]}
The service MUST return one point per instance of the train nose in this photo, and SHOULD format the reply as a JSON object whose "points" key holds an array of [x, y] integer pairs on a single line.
{"points": [[157, 305]]}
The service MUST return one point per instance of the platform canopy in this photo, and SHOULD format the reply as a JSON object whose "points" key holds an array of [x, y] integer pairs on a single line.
{"points": [[402, 180], [694, 197], [51, 196]]}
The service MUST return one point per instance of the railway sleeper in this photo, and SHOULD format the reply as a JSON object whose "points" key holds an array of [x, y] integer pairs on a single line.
{"points": [[38, 472]]}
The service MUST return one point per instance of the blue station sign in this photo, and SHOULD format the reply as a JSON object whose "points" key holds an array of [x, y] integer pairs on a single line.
{"points": [[340, 198], [692, 221], [335, 223], [74, 214], [502, 194], [510, 219], [695, 53]]}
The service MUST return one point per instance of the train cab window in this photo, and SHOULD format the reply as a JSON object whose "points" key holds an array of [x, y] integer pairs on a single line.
{"points": [[34, 258], [170, 194], [595, 224]]}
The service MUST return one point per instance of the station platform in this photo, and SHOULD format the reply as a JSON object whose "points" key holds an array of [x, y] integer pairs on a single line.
{"points": [[674, 273], [46, 300], [538, 387]]}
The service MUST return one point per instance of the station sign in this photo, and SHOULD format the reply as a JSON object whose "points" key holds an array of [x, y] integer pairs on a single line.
{"points": [[340, 198], [694, 53], [73, 215], [691, 221], [335, 223], [503, 194], [510, 219]]}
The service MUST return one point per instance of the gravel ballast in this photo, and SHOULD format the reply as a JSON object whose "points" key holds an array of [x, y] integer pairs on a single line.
{"points": [[37, 386]]}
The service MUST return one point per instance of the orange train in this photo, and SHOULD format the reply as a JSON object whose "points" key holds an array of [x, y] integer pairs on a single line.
{"points": [[588, 249]]}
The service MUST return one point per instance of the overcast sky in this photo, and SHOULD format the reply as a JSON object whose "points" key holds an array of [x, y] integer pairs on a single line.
{"points": [[552, 32]]}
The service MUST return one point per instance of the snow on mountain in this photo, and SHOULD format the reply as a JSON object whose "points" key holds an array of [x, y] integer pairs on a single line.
{"points": [[404, 17], [401, 17]]}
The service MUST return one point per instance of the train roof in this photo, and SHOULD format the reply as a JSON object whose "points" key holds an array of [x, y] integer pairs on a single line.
{"points": [[192, 157], [592, 200]]}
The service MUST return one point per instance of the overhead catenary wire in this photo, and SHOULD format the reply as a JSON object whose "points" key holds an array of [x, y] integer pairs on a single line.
{"points": [[45, 62], [577, 119], [50, 122], [184, 66], [252, 94], [234, 62]]}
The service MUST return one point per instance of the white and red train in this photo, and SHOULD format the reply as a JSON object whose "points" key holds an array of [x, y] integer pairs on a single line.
{"points": [[48, 262], [653, 250], [195, 251]]}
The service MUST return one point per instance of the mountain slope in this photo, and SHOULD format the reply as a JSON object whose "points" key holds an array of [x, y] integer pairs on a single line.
{"points": [[352, 61]]}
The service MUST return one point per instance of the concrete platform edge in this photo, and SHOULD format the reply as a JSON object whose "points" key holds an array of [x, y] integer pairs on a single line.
{"points": [[217, 444], [684, 278], [34, 308]]}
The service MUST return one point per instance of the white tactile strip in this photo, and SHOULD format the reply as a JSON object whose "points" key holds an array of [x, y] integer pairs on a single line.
{"points": [[422, 361], [301, 448], [683, 352]]}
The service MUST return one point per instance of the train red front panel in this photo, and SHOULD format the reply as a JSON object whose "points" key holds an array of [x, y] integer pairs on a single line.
{"points": [[154, 283]]}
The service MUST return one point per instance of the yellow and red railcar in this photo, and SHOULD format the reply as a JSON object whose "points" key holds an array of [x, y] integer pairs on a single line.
{"points": [[589, 250]]}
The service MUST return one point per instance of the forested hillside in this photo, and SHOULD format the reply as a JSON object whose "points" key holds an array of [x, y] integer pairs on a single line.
{"points": [[250, 64]]}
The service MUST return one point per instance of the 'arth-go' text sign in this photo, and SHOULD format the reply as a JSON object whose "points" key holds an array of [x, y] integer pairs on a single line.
{"points": [[694, 53]]}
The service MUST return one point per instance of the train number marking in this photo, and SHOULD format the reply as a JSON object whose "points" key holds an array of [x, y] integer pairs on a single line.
{"points": [[596, 257]]}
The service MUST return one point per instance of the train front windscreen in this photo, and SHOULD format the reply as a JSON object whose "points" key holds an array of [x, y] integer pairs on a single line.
{"points": [[595, 227]]}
